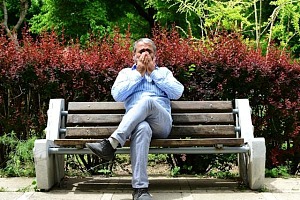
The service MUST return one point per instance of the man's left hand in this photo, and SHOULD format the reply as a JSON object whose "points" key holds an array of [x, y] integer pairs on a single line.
{"points": [[151, 65]]}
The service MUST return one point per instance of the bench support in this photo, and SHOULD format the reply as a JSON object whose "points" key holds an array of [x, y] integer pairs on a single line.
{"points": [[49, 169], [186, 150], [251, 165], [256, 164]]}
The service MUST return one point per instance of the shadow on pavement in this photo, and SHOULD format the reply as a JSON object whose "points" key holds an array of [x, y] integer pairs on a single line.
{"points": [[165, 184]]}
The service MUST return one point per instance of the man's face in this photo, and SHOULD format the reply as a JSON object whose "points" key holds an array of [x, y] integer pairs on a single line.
{"points": [[145, 48]]}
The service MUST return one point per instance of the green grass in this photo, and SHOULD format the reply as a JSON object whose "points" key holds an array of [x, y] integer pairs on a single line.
{"points": [[278, 172]]}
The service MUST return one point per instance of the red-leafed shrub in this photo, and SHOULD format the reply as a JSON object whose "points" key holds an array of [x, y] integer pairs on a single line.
{"points": [[221, 68]]}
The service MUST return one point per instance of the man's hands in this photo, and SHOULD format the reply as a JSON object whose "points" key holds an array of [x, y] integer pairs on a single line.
{"points": [[145, 63]]}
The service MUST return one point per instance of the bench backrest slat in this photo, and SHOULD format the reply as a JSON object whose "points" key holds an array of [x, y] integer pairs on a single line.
{"points": [[201, 106], [96, 107], [177, 106], [191, 119]]}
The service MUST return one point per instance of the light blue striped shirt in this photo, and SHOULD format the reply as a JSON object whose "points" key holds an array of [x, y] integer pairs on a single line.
{"points": [[130, 87]]}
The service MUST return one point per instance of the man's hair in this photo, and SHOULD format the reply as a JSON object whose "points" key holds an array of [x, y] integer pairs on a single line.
{"points": [[145, 40]]}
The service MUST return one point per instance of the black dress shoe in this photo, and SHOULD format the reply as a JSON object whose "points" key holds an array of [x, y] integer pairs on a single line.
{"points": [[141, 194], [103, 149]]}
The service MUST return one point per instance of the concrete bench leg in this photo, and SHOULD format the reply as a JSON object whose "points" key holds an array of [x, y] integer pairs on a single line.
{"points": [[256, 158], [49, 169], [256, 163]]}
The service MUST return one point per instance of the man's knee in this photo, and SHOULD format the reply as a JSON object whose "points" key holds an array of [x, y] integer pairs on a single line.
{"points": [[144, 127], [147, 99], [144, 130], [148, 103]]}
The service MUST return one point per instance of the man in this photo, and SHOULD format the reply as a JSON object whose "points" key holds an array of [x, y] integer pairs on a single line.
{"points": [[146, 90]]}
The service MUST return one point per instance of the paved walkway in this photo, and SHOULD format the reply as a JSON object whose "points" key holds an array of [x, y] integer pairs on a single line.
{"points": [[161, 188]]}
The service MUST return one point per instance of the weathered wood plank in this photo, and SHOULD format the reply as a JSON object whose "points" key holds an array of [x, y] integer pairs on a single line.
{"points": [[197, 142], [178, 118], [94, 119], [163, 142], [201, 131], [201, 106], [96, 107], [199, 118], [177, 106], [90, 132]]}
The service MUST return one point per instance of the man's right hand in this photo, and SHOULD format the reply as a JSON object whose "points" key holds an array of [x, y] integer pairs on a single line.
{"points": [[143, 62], [141, 68]]}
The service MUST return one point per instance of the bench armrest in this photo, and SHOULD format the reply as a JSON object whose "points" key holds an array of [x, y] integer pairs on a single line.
{"points": [[244, 119], [55, 119]]}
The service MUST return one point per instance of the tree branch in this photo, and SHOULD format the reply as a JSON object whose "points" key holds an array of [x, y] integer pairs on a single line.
{"points": [[5, 18], [23, 12], [148, 16]]}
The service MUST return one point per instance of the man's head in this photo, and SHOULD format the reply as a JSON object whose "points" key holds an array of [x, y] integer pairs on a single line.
{"points": [[144, 45], [144, 40]]}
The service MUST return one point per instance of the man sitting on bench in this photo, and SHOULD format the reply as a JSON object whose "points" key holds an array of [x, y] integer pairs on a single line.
{"points": [[146, 90]]}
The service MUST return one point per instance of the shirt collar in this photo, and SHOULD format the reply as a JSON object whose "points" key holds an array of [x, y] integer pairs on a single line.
{"points": [[133, 67]]}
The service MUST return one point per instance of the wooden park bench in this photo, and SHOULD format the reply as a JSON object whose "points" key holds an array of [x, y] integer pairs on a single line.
{"points": [[199, 127]]}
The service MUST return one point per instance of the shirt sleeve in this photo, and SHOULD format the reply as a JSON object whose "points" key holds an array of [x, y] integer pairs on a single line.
{"points": [[126, 81], [165, 80]]}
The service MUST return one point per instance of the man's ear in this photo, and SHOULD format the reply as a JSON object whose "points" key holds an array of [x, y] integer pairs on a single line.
{"points": [[134, 58]]}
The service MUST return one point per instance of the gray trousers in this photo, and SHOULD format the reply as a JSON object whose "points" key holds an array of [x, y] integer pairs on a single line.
{"points": [[143, 121]]}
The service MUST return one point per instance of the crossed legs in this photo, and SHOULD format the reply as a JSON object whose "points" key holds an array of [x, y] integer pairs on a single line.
{"points": [[145, 120]]}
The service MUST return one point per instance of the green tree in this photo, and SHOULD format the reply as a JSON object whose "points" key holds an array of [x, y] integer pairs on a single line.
{"points": [[167, 15], [133, 15], [276, 20], [75, 17], [284, 24], [214, 14], [262, 21], [79, 17]]}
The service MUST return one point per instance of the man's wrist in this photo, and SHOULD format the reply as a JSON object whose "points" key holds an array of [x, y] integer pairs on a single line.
{"points": [[151, 69], [136, 75], [155, 73]]}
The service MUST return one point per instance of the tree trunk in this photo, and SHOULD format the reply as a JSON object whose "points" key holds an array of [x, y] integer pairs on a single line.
{"points": [[13, 34]]}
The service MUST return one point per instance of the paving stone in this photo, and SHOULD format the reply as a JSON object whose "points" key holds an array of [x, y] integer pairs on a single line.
{"points": [[161, 188]]}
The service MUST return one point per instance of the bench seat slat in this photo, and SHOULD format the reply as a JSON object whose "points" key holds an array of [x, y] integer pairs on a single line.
{"points": [[182, 118], [163, 142], [211, 131], [177, 106]]}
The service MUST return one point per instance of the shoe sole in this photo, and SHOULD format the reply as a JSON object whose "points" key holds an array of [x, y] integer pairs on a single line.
{"points": [[97, 153]]}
